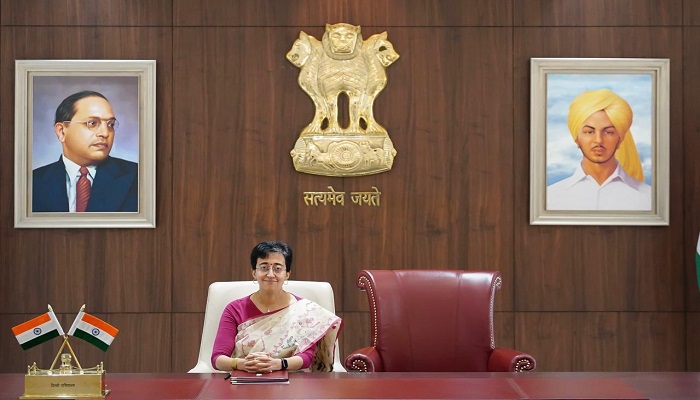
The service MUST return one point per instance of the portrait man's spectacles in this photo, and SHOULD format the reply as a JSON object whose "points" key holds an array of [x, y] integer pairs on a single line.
{"points": [[94, 123], [277, 269]]}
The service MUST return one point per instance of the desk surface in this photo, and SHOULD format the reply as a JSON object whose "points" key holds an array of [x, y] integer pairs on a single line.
{"points": [[534, 385]]}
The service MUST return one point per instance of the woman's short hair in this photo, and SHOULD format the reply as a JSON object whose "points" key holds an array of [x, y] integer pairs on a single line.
{"points": [[263, 249]]}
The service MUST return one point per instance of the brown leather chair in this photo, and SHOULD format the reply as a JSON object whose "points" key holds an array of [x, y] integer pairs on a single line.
{"points": [[433, 321]]}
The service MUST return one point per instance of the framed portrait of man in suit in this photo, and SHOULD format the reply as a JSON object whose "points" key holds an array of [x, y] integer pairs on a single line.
{"points": [[599, 141], [84, 143]]}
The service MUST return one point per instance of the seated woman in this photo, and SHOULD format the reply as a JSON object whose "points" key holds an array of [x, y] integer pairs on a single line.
{"points": [[271, 329]]}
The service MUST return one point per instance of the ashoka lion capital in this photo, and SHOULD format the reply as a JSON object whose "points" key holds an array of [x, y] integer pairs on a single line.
{"points": [[342, 63]]}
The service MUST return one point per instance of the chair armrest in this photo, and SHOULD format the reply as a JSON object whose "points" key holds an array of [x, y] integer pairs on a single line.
{"points": [[507, 360], [365, 359], [203, 367]]}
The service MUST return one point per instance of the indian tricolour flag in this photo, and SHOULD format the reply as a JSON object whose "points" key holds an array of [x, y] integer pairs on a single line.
{"points": [[93, 330], [38, 330]]}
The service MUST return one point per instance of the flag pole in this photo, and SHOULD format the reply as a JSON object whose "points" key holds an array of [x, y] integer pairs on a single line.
{"points": [[65, 340], [74, 356], [66, 343], [71, 348]]}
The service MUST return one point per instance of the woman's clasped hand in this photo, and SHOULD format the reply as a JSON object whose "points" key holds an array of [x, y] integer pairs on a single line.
{"points": [[257, 362]]}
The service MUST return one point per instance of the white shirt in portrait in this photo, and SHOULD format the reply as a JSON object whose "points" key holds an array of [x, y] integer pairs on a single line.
{"points": [[620, 192]]}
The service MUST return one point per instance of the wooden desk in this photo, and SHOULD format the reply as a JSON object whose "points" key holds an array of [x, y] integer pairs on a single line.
{"points": [[545, 385]]}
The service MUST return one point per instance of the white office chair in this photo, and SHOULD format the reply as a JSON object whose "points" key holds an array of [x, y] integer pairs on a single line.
{"points": [[222, 293]]}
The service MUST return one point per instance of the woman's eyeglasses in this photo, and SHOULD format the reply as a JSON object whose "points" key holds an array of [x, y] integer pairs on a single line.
{"points": [[276, 269]]}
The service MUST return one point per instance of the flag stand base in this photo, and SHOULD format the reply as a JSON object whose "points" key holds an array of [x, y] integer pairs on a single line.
{"points": [[87, 387], [65, 382], [44, 384]]}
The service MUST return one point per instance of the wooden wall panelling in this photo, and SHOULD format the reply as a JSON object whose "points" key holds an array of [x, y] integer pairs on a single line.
{"points": [[355, 333], [547, 336], [504, 329], [374, 236], [145, 343], [603, 341], [598, 12], [481, 171], [690, 162], [208, 179], [692, 343], [625, 341], [317, 13], [691, 13], [86, 12], [596, 268], [316, 231], [238, 113], [186, 338]]}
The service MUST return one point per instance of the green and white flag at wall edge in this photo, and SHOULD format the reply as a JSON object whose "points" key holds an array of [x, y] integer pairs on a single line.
{"points": [[697, 262]]}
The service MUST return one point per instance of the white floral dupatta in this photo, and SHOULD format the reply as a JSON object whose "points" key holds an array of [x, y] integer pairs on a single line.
{"points": [[290, 331]]}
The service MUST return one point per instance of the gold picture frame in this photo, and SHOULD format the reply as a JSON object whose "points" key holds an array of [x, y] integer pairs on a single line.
{"points": [[564, 186], [129, 88]]}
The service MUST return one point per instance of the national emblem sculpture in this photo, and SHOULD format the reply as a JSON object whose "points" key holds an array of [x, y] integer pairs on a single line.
{"points": [[343, 64]]}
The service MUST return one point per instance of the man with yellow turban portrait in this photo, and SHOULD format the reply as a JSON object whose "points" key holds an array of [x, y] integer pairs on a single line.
{"points": [[610, 175]]}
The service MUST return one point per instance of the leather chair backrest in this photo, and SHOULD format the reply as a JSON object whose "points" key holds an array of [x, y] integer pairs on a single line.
{"points": [[431, 320], [222, 293]]}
